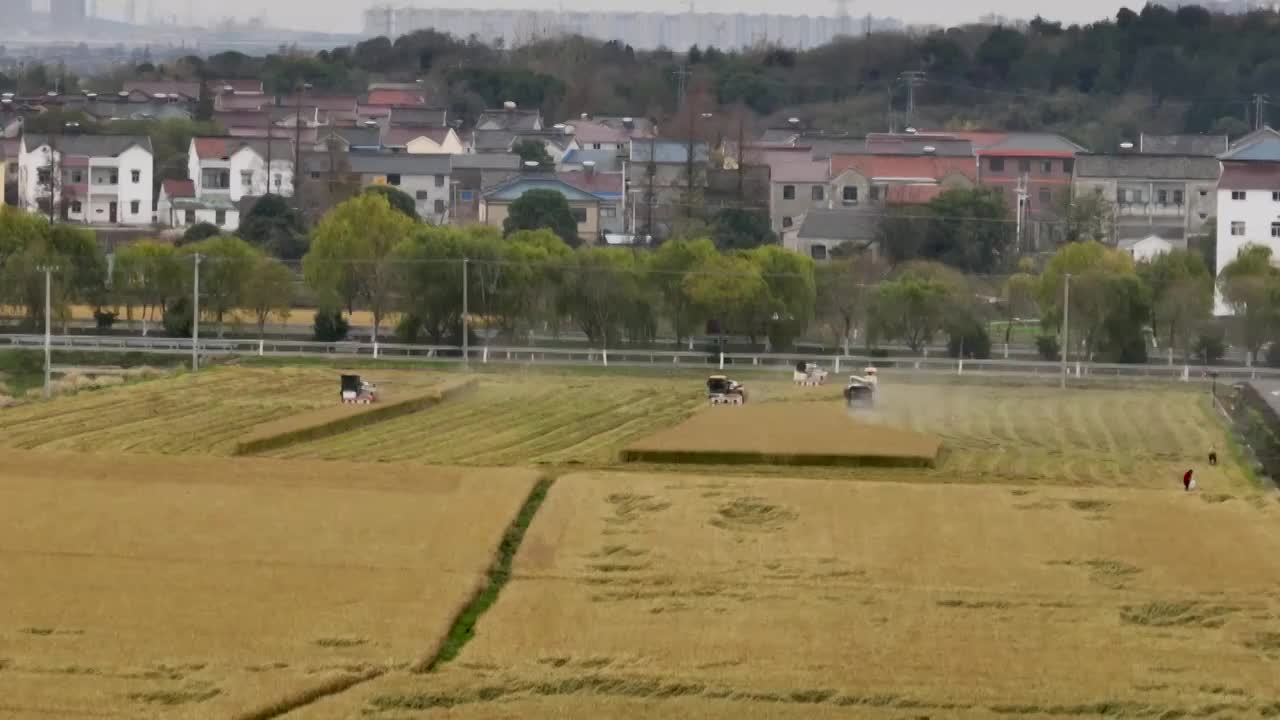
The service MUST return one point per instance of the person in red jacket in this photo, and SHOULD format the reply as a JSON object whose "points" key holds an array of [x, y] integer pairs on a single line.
{"points": [[1186, 481]]}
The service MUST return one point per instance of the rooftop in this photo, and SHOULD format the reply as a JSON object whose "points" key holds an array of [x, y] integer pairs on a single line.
{"points": [[667, 151], [189, 90], [510, 119], [402, 136], [604, 184], [1196, 145], [1259, 145], [904, 167], [91, 145], [1161, 167], [178, 188], [516, 187], [365, 163], [396, 97], [841, 224], [1249, 176], [222, 148]]}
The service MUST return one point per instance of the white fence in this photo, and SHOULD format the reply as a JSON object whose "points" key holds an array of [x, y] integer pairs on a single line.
{"points": [[781, 362]]}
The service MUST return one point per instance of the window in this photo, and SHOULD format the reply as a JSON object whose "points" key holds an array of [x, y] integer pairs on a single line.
{"points": [[1275, 229], [609, 211], [1068, 166], [1237, 194], [579, 214], [393, 179], [1024, 166], [819, 193], [595, 146], [1162, 197], [788, 192], [77, 176], [422, 195], [315, 174], [42, 176], [786, 221], [1275, 197], [135, 207], [220, 218], [818, 252], [136, 176], [1046, 167], [277, 179], [1237, 229], [115, 178], [76, 207], [1178, 197], [440, 207], [439, 181], [467, 195], [1046, 196], [996, 164], [1204, 193], [875, 192], [246, 179], [190, 217], [850, 194]]}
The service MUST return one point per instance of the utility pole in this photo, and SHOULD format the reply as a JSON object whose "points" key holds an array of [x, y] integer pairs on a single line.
{"points": [[195, 313], [297, 147], [48, 330], [1066, 324], [1022, 202], [466, 319], [912, 78], [1259, 101]]}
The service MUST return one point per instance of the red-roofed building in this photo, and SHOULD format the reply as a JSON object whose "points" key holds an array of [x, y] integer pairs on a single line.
{"points": [[608, 186], [899, 179], [395, 98]]}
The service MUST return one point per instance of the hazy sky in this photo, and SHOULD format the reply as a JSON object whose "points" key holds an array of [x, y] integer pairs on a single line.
{"points": [[345, 16]]}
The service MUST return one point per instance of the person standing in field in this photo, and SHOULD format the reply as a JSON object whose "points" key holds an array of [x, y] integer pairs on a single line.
{"points": [[1187, 481], [1213, 456]]}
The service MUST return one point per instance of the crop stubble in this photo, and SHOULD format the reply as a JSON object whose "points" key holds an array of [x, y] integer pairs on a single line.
{"points": [[694, 596], [205, 587]]}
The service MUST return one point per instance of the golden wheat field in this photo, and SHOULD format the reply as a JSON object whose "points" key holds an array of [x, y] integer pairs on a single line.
{"points": [[718, 597], [145, 587], [202, 413]]}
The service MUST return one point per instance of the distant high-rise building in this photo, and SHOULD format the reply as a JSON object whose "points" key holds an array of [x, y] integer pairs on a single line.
{"points": [[67, 12]]}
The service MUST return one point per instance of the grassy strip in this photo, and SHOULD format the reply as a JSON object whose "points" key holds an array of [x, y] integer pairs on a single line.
{"points": [[717, 457], [464, 626], [1240, 452], [24, 369], [272, 437], [310, 695]]}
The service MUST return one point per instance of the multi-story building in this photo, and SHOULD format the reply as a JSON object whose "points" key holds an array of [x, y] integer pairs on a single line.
{"points": [[1166, 196], [425, 178], [796, 184], [663, 182], [233, 168], [880, 179], [92, 179], [1248, 200]]}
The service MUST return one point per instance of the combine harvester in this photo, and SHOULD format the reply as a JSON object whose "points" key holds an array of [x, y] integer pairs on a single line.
{"points": [[723, 391], [861, 390], [358, 392], [809, 374]]}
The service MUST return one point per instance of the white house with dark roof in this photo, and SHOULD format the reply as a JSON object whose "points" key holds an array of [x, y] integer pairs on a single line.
{"points": [[425, 178], [99, 179], [232, 168], [1248, 200]]}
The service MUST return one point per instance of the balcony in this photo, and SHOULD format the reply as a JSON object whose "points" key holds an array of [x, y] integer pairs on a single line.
{"points": [[1150, 210]]}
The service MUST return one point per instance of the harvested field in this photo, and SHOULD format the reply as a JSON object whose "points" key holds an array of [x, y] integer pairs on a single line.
{"points": [[337, 419], [207, 587], [517, 419], [691, 596], [785, 433], [204, 413]]}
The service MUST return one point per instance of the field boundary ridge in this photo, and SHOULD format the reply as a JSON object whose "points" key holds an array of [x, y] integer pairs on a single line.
{"points": [[499, 574], [339, 419], [310, 695], [726, 457]]}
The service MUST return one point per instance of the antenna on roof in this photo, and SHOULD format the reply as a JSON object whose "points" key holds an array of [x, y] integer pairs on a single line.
{"points": [[929, 149]]}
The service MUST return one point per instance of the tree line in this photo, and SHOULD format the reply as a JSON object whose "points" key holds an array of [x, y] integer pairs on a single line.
{"points": [[368, 255]]}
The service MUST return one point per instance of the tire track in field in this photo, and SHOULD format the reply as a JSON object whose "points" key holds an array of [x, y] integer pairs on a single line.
{"points": [[584, 428]]}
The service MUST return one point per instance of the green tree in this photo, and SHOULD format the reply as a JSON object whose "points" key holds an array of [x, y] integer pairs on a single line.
{"points": [[80, 269], [269, 291], [275, 227], [909, 309], [606, 295], [1249, 285], [789, 277], [1018, 299], [971, 231], [671, 266], [531, 150], [1099, 280], [1088, 217], [539, 209], [738, 229], [226, 265], [353, 255], [1181, 296], [200, 231], [730, 292], [147, 274], [398, 199], [845, 288]]}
